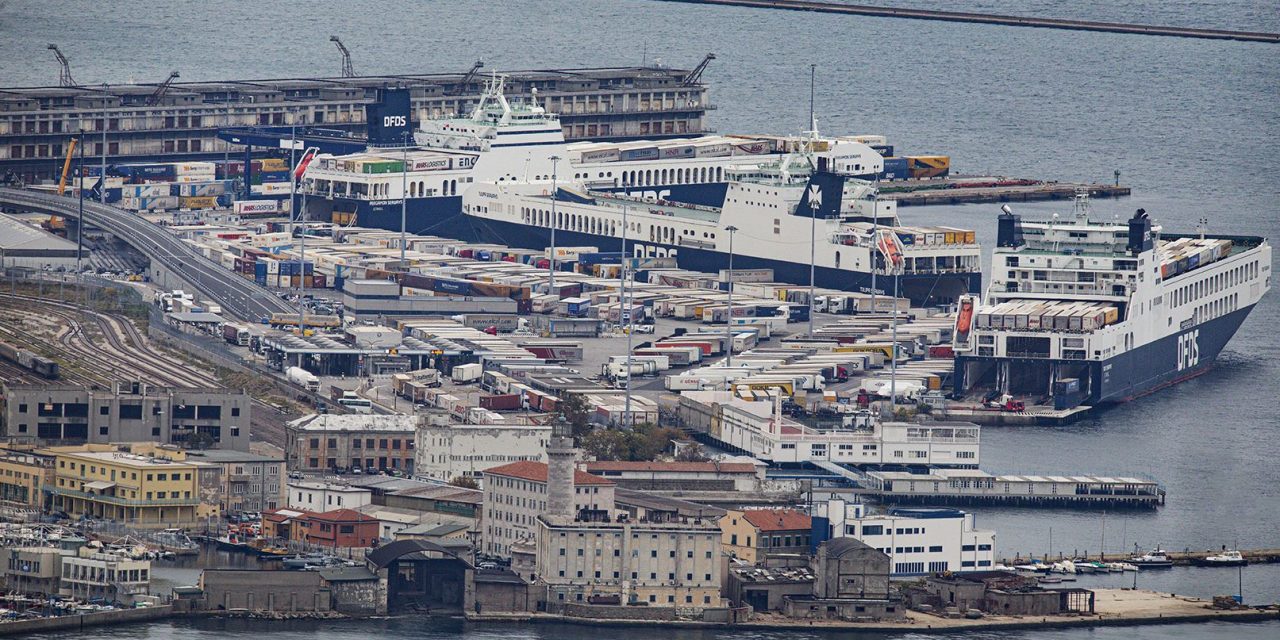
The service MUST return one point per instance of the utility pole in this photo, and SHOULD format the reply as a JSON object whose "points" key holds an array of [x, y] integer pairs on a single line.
{"points": [[551, 264], [404, 199], [293, 199], [102, 185], [728, 362], [80, 219], [814, 196]]}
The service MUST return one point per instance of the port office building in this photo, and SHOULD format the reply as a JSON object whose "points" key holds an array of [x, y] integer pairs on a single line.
{"points": [[65, 414], [179, 122]]}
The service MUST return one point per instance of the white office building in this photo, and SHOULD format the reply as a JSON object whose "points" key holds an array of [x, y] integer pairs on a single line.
{"points": [[325, 496], [444, 452], [918, 540]]}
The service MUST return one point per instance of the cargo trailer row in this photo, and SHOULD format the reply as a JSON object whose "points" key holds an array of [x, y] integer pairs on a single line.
{"points": [[1034, 315], [1184, 254]]}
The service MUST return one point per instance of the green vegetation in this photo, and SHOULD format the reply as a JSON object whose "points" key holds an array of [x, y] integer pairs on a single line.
{"points": [[644, 442]]}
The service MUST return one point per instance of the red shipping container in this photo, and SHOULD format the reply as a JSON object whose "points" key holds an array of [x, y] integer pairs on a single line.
{"points": [[504, 402]]}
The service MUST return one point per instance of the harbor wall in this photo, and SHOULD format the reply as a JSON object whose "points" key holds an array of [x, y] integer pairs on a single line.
{"points": [[41, 625]]}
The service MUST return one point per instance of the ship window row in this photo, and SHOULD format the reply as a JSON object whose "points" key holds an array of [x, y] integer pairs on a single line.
{"points": [[1196, 290], [418, 188], [1216, 308], [686, 175], [585, 176]]}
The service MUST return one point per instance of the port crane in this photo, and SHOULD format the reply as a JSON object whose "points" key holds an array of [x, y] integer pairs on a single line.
{"points": [[158, 94], [64, 74], [66, 165], [347, 70], [469, 76], [692, 77]]}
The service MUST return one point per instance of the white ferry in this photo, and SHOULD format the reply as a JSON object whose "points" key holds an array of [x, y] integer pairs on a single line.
{"points": [[773, 207], [1080, 311], [509, 141]]}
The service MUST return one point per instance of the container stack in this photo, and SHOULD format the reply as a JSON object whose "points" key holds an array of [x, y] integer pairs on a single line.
{"points": [[1034, 315], [1184, 254]]}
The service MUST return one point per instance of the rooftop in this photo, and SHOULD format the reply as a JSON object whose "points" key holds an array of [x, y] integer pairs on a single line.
{"points": [[537, 472], [670, 467], [226, 455], [778, 519], [15, 234], [343, 515], [356, 422]]}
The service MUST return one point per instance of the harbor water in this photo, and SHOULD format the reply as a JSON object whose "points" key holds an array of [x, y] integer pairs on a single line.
{"points": [[1190, 125]]}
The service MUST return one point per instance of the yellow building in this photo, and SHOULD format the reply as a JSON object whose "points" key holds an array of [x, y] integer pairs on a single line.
{"points": [[23, 475], [142, 485]]}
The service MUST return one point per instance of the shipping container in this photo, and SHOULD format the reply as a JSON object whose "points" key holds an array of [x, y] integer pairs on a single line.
{"points": [[645, 153], [601, 155], [896, 169], [929, 166]]}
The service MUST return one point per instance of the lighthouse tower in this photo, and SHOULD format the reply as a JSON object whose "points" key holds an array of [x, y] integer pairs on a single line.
{"points": [[561, 457]]}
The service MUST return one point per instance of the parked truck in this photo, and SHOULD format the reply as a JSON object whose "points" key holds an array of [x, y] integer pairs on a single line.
{"points": [[235, 334], [465, 373]]}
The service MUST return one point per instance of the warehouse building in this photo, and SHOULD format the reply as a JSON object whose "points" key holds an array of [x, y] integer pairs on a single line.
{"points": [[27, 246]]}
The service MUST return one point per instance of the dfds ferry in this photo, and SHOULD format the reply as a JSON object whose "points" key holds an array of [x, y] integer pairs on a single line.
{"points": [[1086, 312], [504, 141], [773, 207]]}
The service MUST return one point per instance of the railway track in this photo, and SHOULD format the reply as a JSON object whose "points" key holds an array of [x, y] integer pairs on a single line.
{"points": [[98, 348]]}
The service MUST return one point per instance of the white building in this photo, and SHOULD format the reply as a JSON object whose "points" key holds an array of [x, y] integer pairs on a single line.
{"points": [[324, 496], [754, 428], [104, 576], [917, 539], [516, 494], [444, 452]]}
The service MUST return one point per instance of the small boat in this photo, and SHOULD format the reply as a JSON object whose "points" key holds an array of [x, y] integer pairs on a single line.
{"points": [[1231, 558], [1117, 567], [1083, 566], [1066, 566], [1156, 559]]}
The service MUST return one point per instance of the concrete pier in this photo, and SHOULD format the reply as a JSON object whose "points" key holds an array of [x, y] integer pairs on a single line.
{"points": [[989, 18]]}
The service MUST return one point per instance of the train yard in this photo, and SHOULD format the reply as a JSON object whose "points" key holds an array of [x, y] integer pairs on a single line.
{"points": [[98, 348]]}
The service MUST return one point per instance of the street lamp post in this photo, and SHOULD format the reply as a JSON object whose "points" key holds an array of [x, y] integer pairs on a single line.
{"points": [[551, 264], [626, 309], [80, 219], [813, 249], [102, 184], [729, 321], [404, 199]]}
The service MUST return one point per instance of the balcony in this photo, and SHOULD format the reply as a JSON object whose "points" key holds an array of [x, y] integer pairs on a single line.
{"points": [[124, 502]]}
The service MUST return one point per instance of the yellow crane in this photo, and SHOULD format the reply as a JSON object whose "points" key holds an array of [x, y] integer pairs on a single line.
{"points": [[66, 166]]}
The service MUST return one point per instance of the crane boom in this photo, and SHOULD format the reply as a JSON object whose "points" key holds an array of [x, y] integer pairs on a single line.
{"points": [[64, 73], [347, 70], [693, 76], [470, 75], [158, 94], [66, 166]]}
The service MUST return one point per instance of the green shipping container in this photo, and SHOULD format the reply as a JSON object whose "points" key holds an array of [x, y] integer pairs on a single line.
{"points": [[389, 166]]}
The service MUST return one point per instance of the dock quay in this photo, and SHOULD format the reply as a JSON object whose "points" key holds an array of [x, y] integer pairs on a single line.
{"points": [[974, 487], [967, 189], [1004, 20], [1183, 558]]}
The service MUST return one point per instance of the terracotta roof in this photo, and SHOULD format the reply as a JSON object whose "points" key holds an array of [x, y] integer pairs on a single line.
{"points": [[698, 467], [343, 515], [778, 519], [537, 472]]}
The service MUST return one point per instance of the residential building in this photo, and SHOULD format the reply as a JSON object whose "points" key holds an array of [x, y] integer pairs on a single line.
{"points": [[141, 485], [516, 494], [851, 582], [339, 528], [751, 427], [919, 540], [32, 570], [250, 483], [326, 496], [669, 564], [373, 443], [447, 451], [23, 476], [105, 576], [679, 476], [753, 535], [69, 414]]}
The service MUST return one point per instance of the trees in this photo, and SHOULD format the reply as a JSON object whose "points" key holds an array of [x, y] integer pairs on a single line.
{"points": [[644, 442], [573, 408], [466, 482], [692, 453]]}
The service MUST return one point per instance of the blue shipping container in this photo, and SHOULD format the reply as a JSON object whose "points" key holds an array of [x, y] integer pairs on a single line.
{"points": [[895, 169]]}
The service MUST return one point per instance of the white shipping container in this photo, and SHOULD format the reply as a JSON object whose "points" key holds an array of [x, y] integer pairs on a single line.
{"points": [[271, 188]]}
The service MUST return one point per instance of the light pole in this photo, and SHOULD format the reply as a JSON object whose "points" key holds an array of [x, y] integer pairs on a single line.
{"points": [[626, 309], [728, 362], [551, 264], [404, 198], [813, 249], [80, 220], [102, 184], [293, 197]]}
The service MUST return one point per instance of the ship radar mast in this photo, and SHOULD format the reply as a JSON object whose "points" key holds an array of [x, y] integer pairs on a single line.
{"points": [[493, 90]]}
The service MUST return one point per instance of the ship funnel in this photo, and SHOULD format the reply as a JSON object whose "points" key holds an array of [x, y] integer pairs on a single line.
{"points": [[1140, 233], [1008, 229]]}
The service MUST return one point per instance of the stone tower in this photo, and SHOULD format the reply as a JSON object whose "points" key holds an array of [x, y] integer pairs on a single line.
{"points": [[561, 457]]}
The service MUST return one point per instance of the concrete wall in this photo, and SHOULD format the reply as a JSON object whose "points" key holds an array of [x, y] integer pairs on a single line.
{"points": [[357, 597], [498, 597], [87, 620], [618, 612], [264, 590]]}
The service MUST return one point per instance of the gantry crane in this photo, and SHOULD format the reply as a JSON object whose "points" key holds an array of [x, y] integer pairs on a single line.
{"points": [[64, 74], [347, 70]]}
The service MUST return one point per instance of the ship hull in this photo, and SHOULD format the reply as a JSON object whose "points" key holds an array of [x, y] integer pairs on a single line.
{"points": [[1172, 359]]}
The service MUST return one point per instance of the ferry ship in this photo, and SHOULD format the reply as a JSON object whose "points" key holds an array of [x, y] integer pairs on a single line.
{"points": [[778, 209], [1080, 311], [506, 141]]}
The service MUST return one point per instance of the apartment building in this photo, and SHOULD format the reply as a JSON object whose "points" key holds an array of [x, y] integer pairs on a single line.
{"points": [[448, 451], [23, 476], [372, 443], [69, 414], [516, 494], [753, 535], [248, 482], [142, 486]]}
